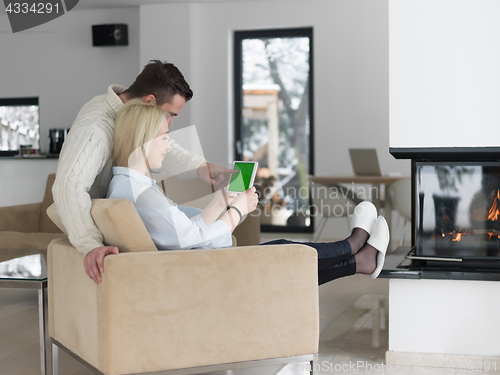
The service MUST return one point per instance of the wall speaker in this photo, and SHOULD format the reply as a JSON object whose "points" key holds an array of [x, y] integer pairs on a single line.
{"points": [[110, 35]]}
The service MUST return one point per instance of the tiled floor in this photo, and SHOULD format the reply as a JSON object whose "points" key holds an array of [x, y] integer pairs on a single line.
{"points": [[356, 342]]}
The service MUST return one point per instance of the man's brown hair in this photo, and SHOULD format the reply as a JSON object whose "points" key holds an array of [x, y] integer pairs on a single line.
{"points": [[161, 79]]}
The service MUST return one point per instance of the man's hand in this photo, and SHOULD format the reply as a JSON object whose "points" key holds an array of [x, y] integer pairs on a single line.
{"points": [[215, 175], [94, 260]]}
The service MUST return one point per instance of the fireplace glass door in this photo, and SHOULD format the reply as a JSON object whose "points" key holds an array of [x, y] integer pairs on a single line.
{"points": [[457, 209]]}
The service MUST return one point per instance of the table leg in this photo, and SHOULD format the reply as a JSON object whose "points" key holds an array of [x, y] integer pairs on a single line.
{"points": [[375, 321], [41, 320], [55, 359]]}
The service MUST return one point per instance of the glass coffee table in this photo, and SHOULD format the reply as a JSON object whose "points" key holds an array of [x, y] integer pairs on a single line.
{"points": [[29, 272]]}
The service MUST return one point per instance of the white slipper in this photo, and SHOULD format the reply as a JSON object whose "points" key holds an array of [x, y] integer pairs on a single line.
{"points": [[379, 239], [364, 216]]}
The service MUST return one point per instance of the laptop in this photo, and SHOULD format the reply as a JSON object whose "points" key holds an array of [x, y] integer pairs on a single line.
{"points": [[365, 162]]}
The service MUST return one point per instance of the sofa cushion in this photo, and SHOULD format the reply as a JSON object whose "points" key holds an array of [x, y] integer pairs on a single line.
{"points": [[119, 223], [21, 240], [20, 218], [129, 236]]}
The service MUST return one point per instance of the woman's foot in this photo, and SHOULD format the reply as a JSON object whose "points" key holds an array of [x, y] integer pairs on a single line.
{"points": [[379, 239], [370, 259], [362, 221], [364, 216], [357, 239], [366, 260]]}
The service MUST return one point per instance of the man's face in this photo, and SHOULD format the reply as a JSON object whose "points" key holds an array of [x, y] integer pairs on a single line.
{"points": [[174, 107]]}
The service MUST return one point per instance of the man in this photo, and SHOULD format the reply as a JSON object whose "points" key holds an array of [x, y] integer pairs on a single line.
{"points": [[86, 160]]}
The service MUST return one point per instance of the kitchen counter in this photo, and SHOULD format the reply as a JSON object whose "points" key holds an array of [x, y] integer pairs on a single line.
{"points": [[30, 157]]}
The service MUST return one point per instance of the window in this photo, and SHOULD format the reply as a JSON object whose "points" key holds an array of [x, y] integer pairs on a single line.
{"points": [[19, 124], [274, 121]]}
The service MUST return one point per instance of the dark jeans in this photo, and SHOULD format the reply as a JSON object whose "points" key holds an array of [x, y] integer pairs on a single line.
{"points": [[334, 258]]}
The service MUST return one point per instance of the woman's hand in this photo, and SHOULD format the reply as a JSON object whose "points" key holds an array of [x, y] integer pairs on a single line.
{"points": [[223, 198], [247, 201]]}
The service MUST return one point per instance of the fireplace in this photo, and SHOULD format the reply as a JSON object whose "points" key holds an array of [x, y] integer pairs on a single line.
{"points": [[455, 207]]}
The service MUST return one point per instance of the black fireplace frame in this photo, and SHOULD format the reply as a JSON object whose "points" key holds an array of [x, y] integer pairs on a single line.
{"points": [[451, 156]]}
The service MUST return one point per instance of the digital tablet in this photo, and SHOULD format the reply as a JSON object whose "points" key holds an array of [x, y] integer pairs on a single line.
{"points": [[245, 177]]}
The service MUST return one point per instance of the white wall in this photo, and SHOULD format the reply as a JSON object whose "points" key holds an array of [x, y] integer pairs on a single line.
{"points": [[166, 35], [57, 63], [350, 52], [444, 316], [350, 67], [23, 181], [444, 76]]}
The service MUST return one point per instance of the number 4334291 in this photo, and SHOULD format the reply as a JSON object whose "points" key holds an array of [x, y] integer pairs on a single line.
{"points": [[33, 8]]}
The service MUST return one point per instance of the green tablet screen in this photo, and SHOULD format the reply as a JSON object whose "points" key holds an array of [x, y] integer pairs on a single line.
{"points": [[242, 180]]}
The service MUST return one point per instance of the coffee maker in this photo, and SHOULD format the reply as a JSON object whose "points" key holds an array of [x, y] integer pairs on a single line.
{"points": [[56, 140]]}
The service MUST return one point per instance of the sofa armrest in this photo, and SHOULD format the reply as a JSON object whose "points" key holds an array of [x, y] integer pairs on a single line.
{"points": [[22, 218], [178, 309]]}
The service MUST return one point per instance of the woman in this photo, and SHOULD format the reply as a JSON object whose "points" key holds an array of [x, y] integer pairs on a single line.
{"points": [[141, 143]]}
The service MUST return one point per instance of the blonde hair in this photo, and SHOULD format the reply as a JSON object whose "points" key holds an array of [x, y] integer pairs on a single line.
{"points": [[137, 124]]}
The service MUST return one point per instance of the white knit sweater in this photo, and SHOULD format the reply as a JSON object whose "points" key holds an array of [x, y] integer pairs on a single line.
{"points": [[85, 167]]}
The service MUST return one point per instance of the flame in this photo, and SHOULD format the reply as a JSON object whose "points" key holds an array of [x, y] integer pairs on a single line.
{"points": [[470, 235], [494, 211]]}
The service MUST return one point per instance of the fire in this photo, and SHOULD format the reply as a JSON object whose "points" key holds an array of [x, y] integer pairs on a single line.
{"points": [[492, 236], [494, 211], [457, 237]]}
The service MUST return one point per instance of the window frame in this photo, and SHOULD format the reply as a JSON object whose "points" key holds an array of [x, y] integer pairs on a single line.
{"points": [[238, 38], [20, 102]]}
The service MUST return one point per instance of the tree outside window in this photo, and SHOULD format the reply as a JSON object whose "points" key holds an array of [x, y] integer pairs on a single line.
{"points": [[19, 124]]}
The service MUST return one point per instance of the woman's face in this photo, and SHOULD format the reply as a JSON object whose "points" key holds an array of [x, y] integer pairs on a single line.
{"points": [[159, 147]]}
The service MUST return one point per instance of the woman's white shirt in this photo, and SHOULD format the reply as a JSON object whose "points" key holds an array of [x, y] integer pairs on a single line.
{"points": [[169, 227]]}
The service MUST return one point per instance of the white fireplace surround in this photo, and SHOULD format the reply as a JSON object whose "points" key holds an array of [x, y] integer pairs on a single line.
{"points": [[443, 318], [444, 92], [443, 73]]}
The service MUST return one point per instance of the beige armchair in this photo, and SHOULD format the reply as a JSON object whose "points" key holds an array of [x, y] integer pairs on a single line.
{"points": [[187, 311], [26, 229]]}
